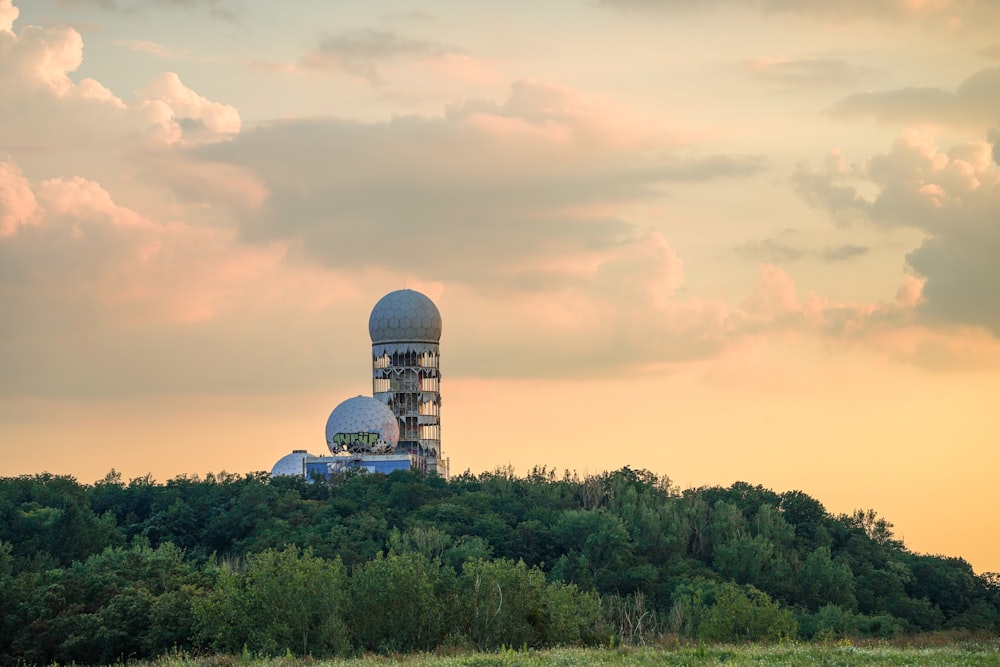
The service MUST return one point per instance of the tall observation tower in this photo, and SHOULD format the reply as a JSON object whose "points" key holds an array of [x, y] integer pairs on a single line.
{"points": [[405, 328]]}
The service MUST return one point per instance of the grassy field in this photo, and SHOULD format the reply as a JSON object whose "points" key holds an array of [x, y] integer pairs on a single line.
{"points": [[970, 653]]}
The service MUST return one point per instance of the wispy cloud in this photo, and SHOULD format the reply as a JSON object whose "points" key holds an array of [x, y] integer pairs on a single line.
{"points": [[803, 73], [151, 48], [363, 52], [843, 253], [775, 251], [976, 14], [225, 9], [975, 102]]}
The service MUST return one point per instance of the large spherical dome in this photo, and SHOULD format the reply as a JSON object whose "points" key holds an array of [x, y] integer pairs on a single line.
{"points": [[405, 316], [361, 424], [290, 464]]}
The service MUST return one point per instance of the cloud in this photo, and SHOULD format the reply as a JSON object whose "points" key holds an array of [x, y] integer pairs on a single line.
{"points": [[774, 251], [138, 297], [183, 116], [520, 203], [8, 14], [520, 207], [974, 103], [774, 297], [227, 238], [833, 188], [43, 58], [361, 52], [805, 73], [225, 9], [151, 48], [526, 194], [40, 102], [771, 251], [18, 206], [952, 196], [162, 246], [112, 302], [950, 12], [843, 253]]}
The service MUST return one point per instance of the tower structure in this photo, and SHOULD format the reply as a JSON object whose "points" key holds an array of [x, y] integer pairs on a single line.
{"points": [[405, 329], [399, 427]]}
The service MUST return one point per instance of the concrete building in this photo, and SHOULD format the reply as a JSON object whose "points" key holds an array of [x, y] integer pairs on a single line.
{"points": [[399, 427]]}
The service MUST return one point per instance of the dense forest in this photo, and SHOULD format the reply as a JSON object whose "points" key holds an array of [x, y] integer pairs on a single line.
{"points": [[366, 562]]}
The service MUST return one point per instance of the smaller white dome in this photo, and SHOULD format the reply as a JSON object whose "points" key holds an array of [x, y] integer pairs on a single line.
{"points": [[290, 464], [362, 424]]}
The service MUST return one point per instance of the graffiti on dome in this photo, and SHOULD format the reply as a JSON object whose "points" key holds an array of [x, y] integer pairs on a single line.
{"points": [[361, 442]]}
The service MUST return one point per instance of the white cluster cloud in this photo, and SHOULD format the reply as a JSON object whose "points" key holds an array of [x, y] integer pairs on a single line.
{"points": [[111, 302], [95, 283], [42, 107], [182, 116], [953, 196], [8, 14], [17, 202], [39, 58]]}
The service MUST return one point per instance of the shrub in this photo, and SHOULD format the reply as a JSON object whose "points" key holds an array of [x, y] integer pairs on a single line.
{"points": [[727, 612]]}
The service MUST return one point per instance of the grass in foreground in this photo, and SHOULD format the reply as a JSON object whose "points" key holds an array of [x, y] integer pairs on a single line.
{"points": [[971, 654]]}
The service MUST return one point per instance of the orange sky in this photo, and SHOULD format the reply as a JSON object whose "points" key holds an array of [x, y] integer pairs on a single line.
{"points": [[738, 242]]}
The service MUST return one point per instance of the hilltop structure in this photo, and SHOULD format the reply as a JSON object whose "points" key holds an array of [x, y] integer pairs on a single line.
{"points": [[399, 427]]}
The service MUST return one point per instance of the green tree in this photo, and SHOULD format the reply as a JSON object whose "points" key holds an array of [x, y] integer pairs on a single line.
{"points": [[506, 603], [807, 515], [727, 612], [823, 581], [752, 559], [276, 601], [48, 519], [400, 602], [100, 610], [600, 537], [8, 600]]}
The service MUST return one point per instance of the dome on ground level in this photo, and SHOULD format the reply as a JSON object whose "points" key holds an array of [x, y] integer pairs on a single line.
{"points": [[362, 424], [405, 316], [290, 464]]}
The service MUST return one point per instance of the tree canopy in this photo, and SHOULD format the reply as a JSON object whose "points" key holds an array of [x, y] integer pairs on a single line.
{"points": [[367, 562]]}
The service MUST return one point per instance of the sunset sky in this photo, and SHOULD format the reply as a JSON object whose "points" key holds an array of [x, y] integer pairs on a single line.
{"points": [[757, 240]]}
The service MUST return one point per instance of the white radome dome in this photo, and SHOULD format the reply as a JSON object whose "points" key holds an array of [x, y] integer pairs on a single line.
{"points": [[405, 316], [361, 424], [290, 464]]}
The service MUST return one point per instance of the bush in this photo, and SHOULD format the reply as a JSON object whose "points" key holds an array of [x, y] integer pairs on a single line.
{"points": [[726, 612], [504, 603], [830, 622], [401, 602], [882, 626], [276, 602]]}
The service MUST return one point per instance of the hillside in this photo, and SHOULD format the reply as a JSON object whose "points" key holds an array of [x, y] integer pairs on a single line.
{"points": [[367, 562]]}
